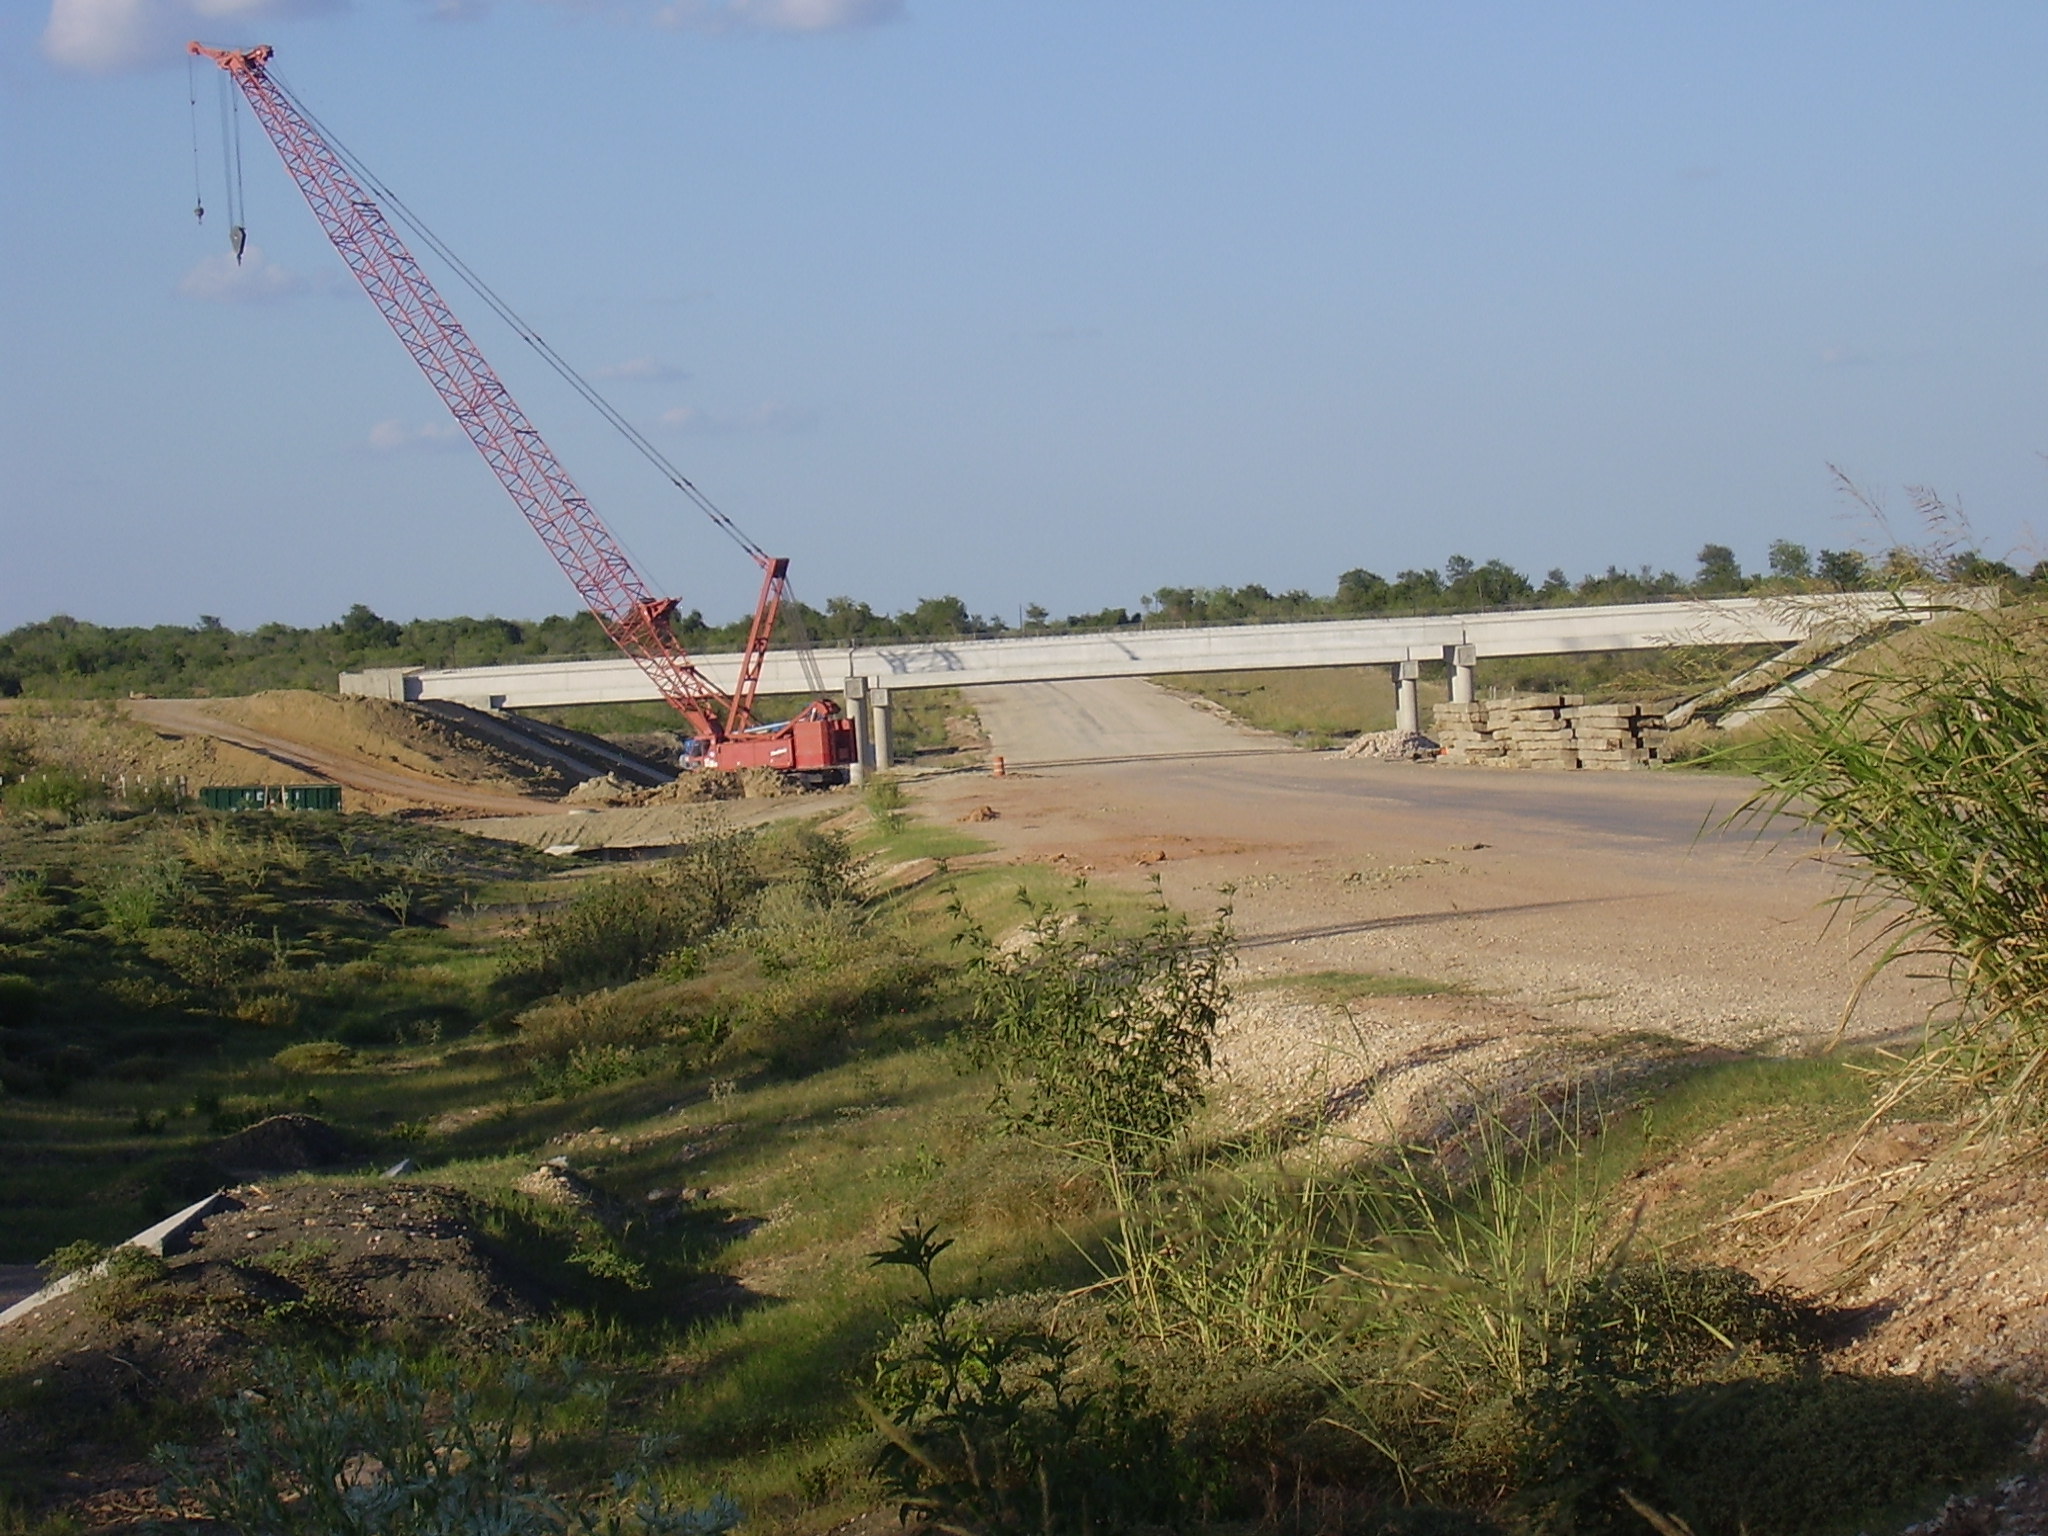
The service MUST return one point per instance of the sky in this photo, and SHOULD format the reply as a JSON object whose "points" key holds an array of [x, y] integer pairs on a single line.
{"points": [[1048, 302]]}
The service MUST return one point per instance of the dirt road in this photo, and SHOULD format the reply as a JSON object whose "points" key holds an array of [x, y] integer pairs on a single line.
{"points": [[1106, 719], [1604, 902], [190, 717]]}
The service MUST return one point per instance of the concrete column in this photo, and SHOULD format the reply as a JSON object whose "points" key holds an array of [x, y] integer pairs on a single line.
{"points": [[885, 727], [1407, 696], [1463, 661], [863, 730]]}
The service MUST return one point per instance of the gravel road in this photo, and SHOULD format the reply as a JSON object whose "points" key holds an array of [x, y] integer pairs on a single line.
{"points": [[1587, 901]]}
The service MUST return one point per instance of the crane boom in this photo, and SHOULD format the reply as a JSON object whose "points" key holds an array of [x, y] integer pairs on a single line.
{"points": [[636, 620]]}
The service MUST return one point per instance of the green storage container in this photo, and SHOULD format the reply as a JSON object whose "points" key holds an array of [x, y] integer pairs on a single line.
{"points": [[263, 797]]}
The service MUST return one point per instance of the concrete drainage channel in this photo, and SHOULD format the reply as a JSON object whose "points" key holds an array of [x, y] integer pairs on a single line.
{"points": [[164, 1239], [584, 756]]}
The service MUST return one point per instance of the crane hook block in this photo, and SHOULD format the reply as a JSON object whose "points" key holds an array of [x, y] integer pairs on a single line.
{"points": [[238, 237]]}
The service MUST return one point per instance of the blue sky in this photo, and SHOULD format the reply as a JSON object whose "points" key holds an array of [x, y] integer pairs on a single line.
{"points": [[1049, 302]]}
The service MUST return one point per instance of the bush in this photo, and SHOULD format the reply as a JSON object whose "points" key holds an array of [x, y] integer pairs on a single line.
{"points": [[211, 959], [1102, 1040], [989, 1424], [55, 791], [315, 1056], [1928, 770], [377, 1446], [72, 1258], [20, 999], [619, 929]]}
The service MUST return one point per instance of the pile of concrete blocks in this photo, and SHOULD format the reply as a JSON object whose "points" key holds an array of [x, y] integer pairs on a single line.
{"points": [[1550, 730]]}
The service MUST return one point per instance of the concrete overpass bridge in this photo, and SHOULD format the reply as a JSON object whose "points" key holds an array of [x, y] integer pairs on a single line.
{"points": [[867, 674]]}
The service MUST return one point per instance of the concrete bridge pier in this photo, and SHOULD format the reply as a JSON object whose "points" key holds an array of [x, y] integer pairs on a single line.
{"points": [[884, 728], [863, 730], [1407, 696], [1463, 663]]}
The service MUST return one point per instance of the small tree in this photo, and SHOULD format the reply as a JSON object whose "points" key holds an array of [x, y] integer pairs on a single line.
{"points": [[1789, 561], [1844, 569], [1719, 570]]}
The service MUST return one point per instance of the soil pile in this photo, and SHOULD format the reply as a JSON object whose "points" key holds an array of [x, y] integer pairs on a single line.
{"points": [[283, 1144], [1943, 1257], [605, 789], [353, 1262], [382, 731], [102, 740], [1392, 746], [706, 784], [555, 1183]]}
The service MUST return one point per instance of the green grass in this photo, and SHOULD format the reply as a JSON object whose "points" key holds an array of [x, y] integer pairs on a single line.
{"points": [[833, 1111], [1355, 986]]}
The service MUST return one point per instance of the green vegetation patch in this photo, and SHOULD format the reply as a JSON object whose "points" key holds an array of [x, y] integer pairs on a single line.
{"points": [[1354, 986]]}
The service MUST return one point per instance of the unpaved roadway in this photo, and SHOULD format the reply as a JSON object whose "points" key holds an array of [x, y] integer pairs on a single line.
{"points": [[190, 717], [1602, 902], [1107, 719]]}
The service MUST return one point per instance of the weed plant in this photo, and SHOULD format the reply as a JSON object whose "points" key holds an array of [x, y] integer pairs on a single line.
{"points": [[1928, 772], [378, 1446], [989, 1423], [1099, 1039]]}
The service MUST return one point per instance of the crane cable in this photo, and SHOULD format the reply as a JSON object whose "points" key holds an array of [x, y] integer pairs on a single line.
{"points": [[525, 332], [192, 102], [231, 163]]}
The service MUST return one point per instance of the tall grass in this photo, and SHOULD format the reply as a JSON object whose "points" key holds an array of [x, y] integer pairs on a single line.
{"points": [[1931, 770]]}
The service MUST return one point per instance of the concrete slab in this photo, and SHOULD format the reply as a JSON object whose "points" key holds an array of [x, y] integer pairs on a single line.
{"points": [[170, 1236]]}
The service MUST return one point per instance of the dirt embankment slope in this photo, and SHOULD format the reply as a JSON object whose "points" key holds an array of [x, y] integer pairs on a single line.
{"points": [[388, 754]]}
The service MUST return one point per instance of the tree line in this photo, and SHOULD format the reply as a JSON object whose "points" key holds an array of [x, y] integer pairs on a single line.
{"points": [[64, 657]]}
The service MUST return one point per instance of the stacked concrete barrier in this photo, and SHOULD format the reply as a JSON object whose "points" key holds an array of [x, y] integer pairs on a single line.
{"points": [[1550, 730]]}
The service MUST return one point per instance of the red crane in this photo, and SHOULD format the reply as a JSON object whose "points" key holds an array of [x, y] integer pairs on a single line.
{"points": [[819, 743]]}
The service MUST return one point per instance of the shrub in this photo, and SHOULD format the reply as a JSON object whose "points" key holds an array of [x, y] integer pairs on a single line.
{"points": [[72, 1258], [19, 1000], [56, 791], [315, 1056], [137, 900], [821, 865], [1928, 770], [989, 1424], [377, 1446], [212, 959], [621, 928], [1102, 1040]]}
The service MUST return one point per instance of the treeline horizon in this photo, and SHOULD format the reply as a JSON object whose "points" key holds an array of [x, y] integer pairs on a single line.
{"points": [[64, 657]]}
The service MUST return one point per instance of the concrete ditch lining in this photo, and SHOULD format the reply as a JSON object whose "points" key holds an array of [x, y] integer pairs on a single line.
{"points": [[167, 1237]]}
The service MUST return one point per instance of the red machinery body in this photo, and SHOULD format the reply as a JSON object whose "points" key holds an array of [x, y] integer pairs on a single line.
{"points": [[819, 743]]}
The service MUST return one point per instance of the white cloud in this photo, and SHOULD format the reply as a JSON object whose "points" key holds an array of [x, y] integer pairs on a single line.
{"points": [[101, 36], [777, 15], [395, 436], [769, 416], [220, 279], [641, 370], [105, 35]]}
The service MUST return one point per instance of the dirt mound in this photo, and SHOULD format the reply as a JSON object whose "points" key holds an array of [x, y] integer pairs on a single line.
{"points": [[1392, 746], [1954, 1287], [283, 1144], [555, 1183], [605, 789], [283, 1266], [102, 740], [382, 731], [705, 784]]}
